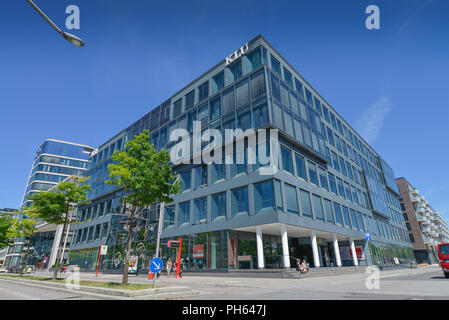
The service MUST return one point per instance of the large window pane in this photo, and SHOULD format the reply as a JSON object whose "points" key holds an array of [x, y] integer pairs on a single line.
{"points": [[200, 206], [287, 162], [235, 71], [239, 201], [253, 60], [218, 205], [338, 216], [346, 219], [300, 167], [264, 196], [242, 92], [292, 199], [312, 173], [184, 213], [317, 207], [218, 82], [328, 211], [228, 101], [258, 84], [323, 178], [306, 208]]}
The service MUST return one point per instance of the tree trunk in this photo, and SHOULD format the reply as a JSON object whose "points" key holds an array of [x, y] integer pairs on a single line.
{"points": [[26, 255], [55, 273], [128, 248]]}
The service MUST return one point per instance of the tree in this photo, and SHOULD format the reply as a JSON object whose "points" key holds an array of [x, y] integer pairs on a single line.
{"points": [[6, 237], [25, 227], [55, 206], [146, 176]]}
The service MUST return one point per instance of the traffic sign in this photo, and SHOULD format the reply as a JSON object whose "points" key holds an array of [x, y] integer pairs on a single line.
{"points": [[156, 265], [104, 250], [367, 236]]}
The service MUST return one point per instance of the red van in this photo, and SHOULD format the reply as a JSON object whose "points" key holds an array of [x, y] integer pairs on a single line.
{"points": [[443, 255]]}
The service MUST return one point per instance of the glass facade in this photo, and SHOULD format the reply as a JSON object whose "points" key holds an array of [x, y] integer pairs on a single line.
{"points": [[329, 179]]}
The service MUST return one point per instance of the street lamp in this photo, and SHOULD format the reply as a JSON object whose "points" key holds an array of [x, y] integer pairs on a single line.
{"points": [[69, 37]]}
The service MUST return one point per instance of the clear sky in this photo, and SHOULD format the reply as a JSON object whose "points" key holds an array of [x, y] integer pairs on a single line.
{"points": [[390, 84]]}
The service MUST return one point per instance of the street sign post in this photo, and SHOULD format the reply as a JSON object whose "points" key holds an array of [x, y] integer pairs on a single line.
{"points": [[156, 266]]}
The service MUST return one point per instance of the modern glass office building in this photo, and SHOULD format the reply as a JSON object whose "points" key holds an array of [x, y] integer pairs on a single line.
{"points": [[54, 162], [332, 194]]}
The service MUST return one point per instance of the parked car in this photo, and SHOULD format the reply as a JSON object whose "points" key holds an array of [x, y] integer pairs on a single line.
{"points": [[443, 255], [3, 270]]}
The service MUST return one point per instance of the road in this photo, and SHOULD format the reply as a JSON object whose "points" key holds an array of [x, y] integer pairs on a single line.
{"points": [[406, 284], [19, 291]]}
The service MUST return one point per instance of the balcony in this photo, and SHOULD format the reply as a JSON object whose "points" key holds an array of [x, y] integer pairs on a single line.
{"points": [[414, 198]]}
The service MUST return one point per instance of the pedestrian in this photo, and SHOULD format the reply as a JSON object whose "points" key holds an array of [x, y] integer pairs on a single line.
{"points": [[298, 265], [304, 267], [181, 267], [168, 266], [174, 268]]}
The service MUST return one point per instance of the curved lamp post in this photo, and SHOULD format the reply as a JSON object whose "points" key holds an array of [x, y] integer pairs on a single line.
{"points": [[69, 37]]}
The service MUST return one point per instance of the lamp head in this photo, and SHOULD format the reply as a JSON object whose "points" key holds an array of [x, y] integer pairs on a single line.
{"points": [[73, 39]]}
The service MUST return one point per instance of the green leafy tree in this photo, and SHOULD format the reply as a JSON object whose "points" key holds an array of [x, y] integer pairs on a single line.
{"points": [[146, 177], [6, 237], [25, 227], [55, 207]]}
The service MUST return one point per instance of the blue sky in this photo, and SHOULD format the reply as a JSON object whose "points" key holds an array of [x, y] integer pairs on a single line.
{"points": [[391, 83]]}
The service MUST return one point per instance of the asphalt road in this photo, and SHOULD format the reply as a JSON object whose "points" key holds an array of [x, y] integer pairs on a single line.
{"points": [[19, 291], [406, 284]]}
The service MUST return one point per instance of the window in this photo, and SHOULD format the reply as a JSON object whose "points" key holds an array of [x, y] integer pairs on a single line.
{"points": [[312, 173], [285, 96], [338, 216], [186, 180], [253, 60], [190, 99], [346, 217], [218, 82], [342, 166], [258, 84], [177, 108], [244, 118], [317, 105], [349, 170], [335, 161], [260, 115], [288, 77], [299, 88], [203, 91], [360, 222], [184, 213], [330, 136], [97, 231], [275, 89], [276, 66], [353, 219], [292, 199], [305, 203], [287, 162], [228, 100], [323, 178], [328, 211], [341, 190], [278, 195], [101, 209], [300, 167], [277, 115], [200, 210], [317, 207], [242, 92], [309, 97], [169, 217], [203, 112], [264, 196], [239, 201], [215, 108], [200, 175], [218, 205], [412, 238], [333, 185], [235, 71], [218, 171]]}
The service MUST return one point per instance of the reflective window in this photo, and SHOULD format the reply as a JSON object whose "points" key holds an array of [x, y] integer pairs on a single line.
{"points": [[200, 206], [276, 66], [218, 82], [300, 167], [260, 115], [242, 93], [235, 71], [333, 185], [186, 180], [341, 190], [287, 162], [184, 213], [328, 211], [317, 207], [346, 219], [264, 196], [338, 216], [228, 100], [306, 208], [353, 219], [218, 205], [323, 178], [239, 201], [177, 108], [215, 108], [312, 173], [291, 198], [203, 91], [288, 77], [258, 84], [253, 60], [190, 99]]}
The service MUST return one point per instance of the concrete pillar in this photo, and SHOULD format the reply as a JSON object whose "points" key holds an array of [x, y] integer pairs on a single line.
{"points": [[316, 257], [285, 251], [337, 252], [260, 258], [354, 253]]}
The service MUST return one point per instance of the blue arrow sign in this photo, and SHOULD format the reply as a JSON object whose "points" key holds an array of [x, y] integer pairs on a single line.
{"points": [[367, 236], [156, 265]]}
